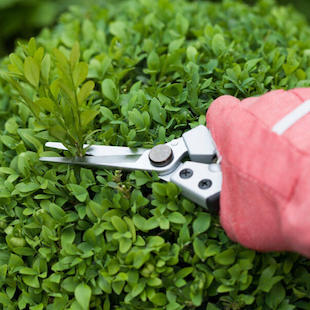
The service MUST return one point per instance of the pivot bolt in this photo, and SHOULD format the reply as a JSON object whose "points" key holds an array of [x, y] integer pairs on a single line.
{"points": [[186, 173], [161, 155], [205, 184]]}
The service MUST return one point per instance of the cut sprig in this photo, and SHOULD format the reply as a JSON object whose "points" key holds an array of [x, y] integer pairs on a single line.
{"points": [[55, 89]]}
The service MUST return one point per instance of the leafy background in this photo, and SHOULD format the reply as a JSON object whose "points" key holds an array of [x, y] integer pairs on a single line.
{"points": [[22, 19], [75, 238]]}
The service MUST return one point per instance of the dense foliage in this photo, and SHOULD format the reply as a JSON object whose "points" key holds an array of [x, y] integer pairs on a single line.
{"points": [[20, 19], [75, 238]]}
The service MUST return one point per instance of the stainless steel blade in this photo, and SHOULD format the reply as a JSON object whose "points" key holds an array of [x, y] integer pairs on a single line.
{"points": [[101, 150], [131, 161], [115, 162]]}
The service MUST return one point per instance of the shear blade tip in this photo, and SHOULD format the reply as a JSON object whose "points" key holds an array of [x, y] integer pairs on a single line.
{"points": [[43, 158], [52, 159]]}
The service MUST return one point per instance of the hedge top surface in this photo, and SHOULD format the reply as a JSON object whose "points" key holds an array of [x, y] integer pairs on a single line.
{"points": [[75, 238]]}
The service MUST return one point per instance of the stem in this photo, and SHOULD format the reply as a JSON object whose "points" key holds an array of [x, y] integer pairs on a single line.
{"points": [[79, 143]]}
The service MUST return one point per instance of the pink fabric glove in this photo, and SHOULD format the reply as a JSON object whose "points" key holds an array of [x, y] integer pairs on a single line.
{"points": [[265, 197]]}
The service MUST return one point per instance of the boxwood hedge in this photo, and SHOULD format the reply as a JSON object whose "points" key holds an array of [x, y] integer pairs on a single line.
{"points": [[76, 238]]}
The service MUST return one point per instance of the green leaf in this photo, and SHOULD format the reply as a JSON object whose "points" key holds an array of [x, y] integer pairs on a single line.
{"points": [[106, 113], [157, 112], [159, 299], [212, 250], [79, 192], [85, 91], [58, 132], [87, 177], [80, 73], [29, 139], [142, 178], [46, 103], [153, 61], [184, 236], [31, 281], [67, 237], [131, 227], [82, 294], [118, 28], [201, 223], [154, 282], [8, 141], [137, 289], [177, 218], [191, 53], [196, 298], [172, 190], [6, 170], [109, 90], [226, 257], [87, 117], [37, 307], [27, 187], [61, 60], [124, 245], [136, 118], [15, 60], [182, 24], [211, 306], [184, 272], [218, 44], [38, 55], [75, 55], [5, 300], [5, 193], [275, 296], [163, 222], [97, 209], [246, 299], [118, 286], [32, 46], [251, 64], [119, 224], [159, 189], [11, 126], [46, 67], [175, 45], [32, 71], [57, 213], [267, 279], [200, 249], [155, 241], [143, 224], [27, 271]]}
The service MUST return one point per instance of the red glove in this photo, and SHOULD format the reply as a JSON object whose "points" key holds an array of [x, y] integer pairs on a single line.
{"points": [[264, 143]]}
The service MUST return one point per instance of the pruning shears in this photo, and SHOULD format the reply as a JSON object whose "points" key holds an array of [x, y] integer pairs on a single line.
{"points": [[200, 178]]}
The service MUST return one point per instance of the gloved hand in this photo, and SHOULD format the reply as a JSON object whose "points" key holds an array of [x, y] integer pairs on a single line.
{"points": [[264, 143]]}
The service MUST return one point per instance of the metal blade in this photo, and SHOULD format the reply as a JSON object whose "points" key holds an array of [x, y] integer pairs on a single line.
{"points": [[101, 150], [131, 161], [115, 162]]}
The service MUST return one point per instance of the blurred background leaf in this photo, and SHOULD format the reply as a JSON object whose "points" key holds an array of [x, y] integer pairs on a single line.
{"points": [[302, 5], [23, 19]]}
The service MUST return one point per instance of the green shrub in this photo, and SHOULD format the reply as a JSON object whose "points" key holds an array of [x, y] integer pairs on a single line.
{"points": [[75, 238]]}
